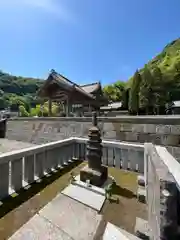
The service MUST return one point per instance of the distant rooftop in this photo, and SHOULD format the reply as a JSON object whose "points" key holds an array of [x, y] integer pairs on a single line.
{"points": [[112, 106], [59, 87], [90, 88]]}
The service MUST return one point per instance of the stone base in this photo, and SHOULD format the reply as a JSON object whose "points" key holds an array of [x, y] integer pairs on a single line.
{"points": [[97, 178], [141, 194], [142, 229]]}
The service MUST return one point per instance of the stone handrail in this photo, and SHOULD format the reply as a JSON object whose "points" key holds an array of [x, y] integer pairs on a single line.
{"points": [[115, 144], [149, 119], [162, 187]]}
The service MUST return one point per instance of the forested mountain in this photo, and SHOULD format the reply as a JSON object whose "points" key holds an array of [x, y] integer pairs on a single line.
{"points": [[157, 83], [18, 90]]}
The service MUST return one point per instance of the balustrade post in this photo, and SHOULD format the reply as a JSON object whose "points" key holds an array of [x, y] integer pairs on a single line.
{"points": [[16, 174], [39, 164], [48, 161], [4, 179], [118, 157], [29, 169], [65, 155], [60, 157]]}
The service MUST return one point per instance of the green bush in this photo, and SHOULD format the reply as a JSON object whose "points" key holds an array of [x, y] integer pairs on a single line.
{"points": [[23, 112]]}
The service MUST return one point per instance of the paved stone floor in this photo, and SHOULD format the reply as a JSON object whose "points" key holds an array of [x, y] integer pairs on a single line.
{"points": [[63, 218], [10, 145]]}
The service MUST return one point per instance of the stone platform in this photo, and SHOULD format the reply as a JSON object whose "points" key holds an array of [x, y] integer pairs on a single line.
{"points": [[63, 218], [66, 219], [91, 196]]}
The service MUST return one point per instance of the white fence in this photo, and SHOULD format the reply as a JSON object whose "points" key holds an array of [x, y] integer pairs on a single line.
{"points": [[127, 156], [22, 167]]}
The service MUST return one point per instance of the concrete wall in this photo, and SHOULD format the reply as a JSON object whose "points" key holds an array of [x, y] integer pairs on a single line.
{"points": [[160, 130]]}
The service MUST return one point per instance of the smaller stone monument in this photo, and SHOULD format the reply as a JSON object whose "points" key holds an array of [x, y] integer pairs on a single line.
{"points": [[95, 172]]}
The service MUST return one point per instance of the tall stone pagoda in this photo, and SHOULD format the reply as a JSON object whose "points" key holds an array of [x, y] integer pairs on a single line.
{"points": [[95, 172]]}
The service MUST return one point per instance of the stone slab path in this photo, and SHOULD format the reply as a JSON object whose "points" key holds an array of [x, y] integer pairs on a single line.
{"points": [[40, 228], [63, 218]]}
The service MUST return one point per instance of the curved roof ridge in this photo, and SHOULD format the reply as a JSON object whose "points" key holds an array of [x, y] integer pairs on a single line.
{"points": [[78, 87], [89, 84]]}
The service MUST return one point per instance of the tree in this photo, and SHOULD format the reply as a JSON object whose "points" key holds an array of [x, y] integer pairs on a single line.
{"points": [[23, 112], [159, 92], [125, 99], [146, 92], [114, 92], [110, 93], [134, 93]]}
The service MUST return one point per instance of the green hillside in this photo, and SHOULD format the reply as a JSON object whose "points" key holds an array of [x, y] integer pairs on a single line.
{"points": [[168, 63], [18, 90]]}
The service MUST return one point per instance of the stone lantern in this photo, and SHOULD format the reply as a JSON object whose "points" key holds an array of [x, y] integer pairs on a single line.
{"points": [[95, 172]]}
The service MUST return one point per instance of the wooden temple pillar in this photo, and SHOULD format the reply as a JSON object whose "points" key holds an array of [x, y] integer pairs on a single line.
{"points": [[68, 106], [50, 107]]}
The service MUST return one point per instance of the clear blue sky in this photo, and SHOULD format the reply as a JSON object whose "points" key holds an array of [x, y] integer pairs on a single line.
{"points": [[86, 40]]}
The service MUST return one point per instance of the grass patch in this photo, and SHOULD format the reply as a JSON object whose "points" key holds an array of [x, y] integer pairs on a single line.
{"points": [[123, 208]]}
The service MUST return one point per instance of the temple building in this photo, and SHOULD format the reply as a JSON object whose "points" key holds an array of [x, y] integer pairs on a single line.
{"points": [[75, 98]]}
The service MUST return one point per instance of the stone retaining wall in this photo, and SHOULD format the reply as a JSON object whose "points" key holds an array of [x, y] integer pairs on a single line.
{"points": [[160, 130]]}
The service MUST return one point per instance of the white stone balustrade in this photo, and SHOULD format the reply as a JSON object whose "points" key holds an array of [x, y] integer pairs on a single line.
{"points": [[22, 167], [120, 154]]}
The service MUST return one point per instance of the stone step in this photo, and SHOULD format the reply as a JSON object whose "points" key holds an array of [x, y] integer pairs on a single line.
{"points": [[141, 194], [142, 229], [114, 232], [141, 180], [85, 196]]}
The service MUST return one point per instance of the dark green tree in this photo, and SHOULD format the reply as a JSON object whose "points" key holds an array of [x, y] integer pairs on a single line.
{"points": [[146, 100], [125, 98], [160, 94], [134, 93]]}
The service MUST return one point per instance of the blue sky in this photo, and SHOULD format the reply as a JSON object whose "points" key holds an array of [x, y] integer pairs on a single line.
{"points": [[86, 40]]}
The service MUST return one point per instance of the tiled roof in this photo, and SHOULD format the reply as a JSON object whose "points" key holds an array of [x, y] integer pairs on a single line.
{"points": [[90, 88], [65, 83]]}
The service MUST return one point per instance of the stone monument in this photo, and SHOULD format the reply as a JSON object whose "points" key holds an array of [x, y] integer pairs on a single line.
{"points": [[95, 172]]}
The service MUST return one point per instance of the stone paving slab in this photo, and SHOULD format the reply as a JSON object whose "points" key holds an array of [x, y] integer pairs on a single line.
{"points": [[39, 228], [77, 220], [114, 233], [85, 196]]}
